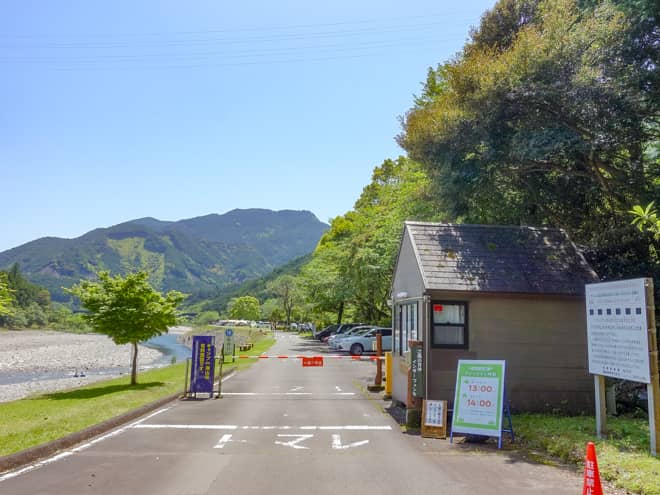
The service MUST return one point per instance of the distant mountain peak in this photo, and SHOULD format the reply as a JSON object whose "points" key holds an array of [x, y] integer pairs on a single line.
{"points": [[203, 252]]}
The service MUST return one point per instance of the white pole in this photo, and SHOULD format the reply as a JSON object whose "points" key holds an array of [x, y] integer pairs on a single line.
{"points": [[601, 413]]}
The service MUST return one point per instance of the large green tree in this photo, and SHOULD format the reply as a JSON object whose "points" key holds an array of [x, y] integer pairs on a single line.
{"points": [[6, 296], [350, 271], [127, 309], [244, 308], [549, 116]]}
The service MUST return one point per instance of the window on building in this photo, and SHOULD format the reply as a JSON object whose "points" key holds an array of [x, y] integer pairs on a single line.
{"points": [[405, 327], [450, 328]]}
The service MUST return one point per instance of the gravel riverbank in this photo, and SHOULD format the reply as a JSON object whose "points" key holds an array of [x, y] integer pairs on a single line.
{"points": [[34, 361]]}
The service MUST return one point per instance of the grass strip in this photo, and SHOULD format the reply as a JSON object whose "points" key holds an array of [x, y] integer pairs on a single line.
{"points": [[42, 418], [623, 457]]}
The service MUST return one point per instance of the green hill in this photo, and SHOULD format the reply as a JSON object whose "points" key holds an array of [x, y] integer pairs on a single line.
{"points": [[201, 253]]}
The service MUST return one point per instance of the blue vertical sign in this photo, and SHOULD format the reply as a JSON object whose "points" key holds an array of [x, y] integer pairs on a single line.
{"points": [[203, 364]]}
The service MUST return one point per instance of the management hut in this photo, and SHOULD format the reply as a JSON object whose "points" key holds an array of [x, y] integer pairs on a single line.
{"points": [[492, 292]]}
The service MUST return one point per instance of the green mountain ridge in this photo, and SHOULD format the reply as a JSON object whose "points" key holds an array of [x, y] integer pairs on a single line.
{"points": [[189, 255]]}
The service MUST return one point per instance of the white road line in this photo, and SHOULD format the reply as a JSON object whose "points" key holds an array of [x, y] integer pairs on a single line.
{"points": [[336, 443], [294, 443], [255, 394], [252, 427], [223, 441], [337, 388], [84, 446]]}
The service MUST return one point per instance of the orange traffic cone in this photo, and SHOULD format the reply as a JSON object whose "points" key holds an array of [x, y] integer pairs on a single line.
{"points": [[591, 476]]}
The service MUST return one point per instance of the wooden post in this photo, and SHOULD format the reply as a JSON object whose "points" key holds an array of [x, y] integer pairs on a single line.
{"points": [[379, 363], [601, 413], [653, 388]]}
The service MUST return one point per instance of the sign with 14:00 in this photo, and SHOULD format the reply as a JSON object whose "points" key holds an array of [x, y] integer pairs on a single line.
{"points": [[479, 398]]}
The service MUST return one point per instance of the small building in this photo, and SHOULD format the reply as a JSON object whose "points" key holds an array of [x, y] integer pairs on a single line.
{"points": [[493, 292]]}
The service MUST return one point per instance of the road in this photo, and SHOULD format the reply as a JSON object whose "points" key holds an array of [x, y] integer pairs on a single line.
{"points": [[284, 429]]}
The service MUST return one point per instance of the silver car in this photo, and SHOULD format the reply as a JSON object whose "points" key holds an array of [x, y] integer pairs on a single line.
{"points": [[358, 344]]}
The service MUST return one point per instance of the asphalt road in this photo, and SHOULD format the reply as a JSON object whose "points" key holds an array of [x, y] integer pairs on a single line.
{"points": [[284, 429]]}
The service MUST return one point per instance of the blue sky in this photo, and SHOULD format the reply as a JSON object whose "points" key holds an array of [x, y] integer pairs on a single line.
{"points": [[118, 110]]}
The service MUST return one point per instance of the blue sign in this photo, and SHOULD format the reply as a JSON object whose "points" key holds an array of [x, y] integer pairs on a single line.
{"points": [[229, 332], [203, 364]]}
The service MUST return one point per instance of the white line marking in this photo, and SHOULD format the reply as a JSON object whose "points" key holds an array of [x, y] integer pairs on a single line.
{"points": [[295, 389], [338, 389], [189, 427], [223, 441], [254, 394], [252, 427], [336, 443], [294, 443], [84, 446], [356, 428]]}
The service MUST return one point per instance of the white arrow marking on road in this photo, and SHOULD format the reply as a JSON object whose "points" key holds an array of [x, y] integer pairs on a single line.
{"points": [[336, 443], [337, 389], [294, 443], [223, 441], [295, 389]]}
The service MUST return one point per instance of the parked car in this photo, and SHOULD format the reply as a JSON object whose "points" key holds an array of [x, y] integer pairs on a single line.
{"points": [[327, 331], [334, 339], [364, 342], [344, 327]]}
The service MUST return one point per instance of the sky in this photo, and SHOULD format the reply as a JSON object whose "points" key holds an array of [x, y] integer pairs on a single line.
{"points": [[112, 111]]}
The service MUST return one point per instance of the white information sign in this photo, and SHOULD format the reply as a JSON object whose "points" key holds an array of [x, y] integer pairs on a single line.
{"points": [[617, 330], [434, 413]]}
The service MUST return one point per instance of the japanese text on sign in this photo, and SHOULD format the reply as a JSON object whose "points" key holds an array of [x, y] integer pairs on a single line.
{"points": [[479, 397], [617, 330]]}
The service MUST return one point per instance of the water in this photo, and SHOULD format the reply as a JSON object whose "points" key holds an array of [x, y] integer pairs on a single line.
{"points": [[168, 345]]}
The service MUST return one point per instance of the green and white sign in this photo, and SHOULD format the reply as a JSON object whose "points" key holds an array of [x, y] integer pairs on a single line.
{"points": [[479, 398]]}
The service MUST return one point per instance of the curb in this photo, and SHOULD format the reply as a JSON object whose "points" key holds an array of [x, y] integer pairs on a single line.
{"points": [[13, 461]]}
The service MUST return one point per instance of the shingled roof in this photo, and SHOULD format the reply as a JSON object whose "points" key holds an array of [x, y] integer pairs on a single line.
{"points": [[508, 259]]}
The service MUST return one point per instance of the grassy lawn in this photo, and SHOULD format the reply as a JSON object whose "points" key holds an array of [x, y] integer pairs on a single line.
{"points": [[623, 457], [41, 418]]}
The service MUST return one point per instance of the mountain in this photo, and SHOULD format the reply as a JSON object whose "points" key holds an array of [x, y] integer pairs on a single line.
{"points": [[200, 253]]}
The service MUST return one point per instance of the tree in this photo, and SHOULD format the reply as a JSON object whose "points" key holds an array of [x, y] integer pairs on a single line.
{"points": [[284, 288], [127, 309], [646, 219], [6, 296], [244, 308]]}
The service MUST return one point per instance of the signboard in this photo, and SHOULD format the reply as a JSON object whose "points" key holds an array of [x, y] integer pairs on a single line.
{"points": [[434, 419], [417, 370], [479, 398], [229, 347], [312, 361], [203, 364], [617, 330]]}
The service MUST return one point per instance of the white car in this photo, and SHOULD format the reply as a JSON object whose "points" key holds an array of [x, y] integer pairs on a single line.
{"points": [[334, 340], [365, 342]]}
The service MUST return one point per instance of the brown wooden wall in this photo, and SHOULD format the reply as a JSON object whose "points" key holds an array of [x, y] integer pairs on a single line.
{"points": [[542, 339]]}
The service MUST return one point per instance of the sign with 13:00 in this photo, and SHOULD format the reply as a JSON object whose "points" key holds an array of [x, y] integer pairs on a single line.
{"points": [[479, 398]]}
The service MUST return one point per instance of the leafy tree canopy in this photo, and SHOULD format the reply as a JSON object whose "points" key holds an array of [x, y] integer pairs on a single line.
{"points": [[127, 309], [244, 308]]}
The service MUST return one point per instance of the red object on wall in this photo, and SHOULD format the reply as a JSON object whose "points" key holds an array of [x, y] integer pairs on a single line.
{"points": [[437, 308]]}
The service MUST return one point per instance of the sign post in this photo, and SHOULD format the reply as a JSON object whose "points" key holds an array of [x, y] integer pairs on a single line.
{"points": [[203, 364], [479, 398], [229, 347], [622, 343]]}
